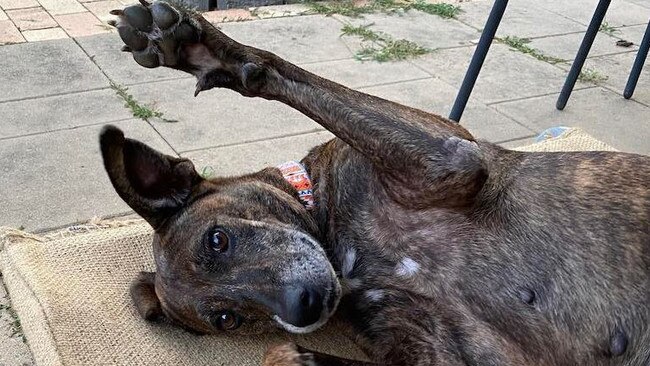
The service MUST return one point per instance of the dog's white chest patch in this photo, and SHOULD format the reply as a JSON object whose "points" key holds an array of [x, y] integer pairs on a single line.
{"points": [[374, 295], [347, 264], [407, 267]]}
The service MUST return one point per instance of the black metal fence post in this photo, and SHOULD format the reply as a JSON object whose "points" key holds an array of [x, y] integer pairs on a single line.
{"points": [[638, 64], [583, 52], [490, 30]]}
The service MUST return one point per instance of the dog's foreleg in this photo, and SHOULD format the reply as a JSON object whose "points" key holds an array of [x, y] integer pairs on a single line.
{"points": [[291, 355], [425, 158]]}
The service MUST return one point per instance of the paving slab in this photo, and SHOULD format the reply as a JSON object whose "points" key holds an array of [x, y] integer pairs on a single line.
{"points": [[523, 18], [617, 70], [120, 66], [9, 33], [642, 3], [217, 117], [566, 46], [82, 24], [13, 351], [605, 115], [17, 4], [356, 74], [430, 31], [303, 39], [60, 112], [252, 157], [31, 18], [620, 12], [58, 178], [506, 74], [46, 34], [632, 33], [435, 96], [3, 15], [46, 68], [57, 7]]}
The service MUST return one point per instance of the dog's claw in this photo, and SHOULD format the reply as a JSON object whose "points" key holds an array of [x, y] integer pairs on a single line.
{"points": [[116, 12], [125, 48], [112, 23]]}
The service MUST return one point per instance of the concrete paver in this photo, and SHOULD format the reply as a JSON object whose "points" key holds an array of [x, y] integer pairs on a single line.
{"points": [[3, 15], [219, 117], [9, 33], [355, 74], [31, 18], [17, 4], [303, 39], [617, 70], [60, 112], [566, 46], [523, 18], [119, 66], [58, 178], [433, 95], [251, 157], [102, 8], [506, 75], [46, 68], [430, 31], [602, 113], [620, 12], [46, 34], [58, 7], [81, 24]]}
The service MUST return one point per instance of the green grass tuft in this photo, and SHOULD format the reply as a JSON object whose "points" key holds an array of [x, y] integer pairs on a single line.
{"points": [[16, 327], [592, 76], [382, 47], [350, 9], [521, 45], [443, 10], [144, 112], [608, 29]]}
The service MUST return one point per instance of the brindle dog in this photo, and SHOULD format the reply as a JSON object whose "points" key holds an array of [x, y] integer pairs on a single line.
{"points": [[454, 251]]}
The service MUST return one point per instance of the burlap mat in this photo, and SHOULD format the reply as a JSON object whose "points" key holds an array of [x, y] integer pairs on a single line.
{"points": [[70, 290]]}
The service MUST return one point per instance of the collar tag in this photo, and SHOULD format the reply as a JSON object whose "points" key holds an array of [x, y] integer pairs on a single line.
{"points": [[296, 174]]}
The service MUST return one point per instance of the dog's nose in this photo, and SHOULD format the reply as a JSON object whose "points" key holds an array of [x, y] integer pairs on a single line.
{"points": [[303, 305]]}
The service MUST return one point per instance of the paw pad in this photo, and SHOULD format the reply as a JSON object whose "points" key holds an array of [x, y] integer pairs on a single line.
{"points": [[155, 32]]}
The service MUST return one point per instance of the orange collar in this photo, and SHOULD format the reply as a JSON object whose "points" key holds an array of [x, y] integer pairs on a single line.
{"points": [[296, 174]]}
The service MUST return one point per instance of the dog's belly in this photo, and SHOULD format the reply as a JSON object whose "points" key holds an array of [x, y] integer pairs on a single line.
{"points": [[547, 283]]}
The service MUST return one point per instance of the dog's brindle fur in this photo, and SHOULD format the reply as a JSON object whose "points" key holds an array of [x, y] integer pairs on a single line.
{"points": [[453, 251]]}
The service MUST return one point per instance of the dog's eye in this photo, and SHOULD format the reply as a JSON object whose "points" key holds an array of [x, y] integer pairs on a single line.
{"points": [[227, 320], [219, 241]]}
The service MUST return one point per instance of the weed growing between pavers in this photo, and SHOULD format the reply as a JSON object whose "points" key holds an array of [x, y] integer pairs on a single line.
{"points": [[521, 45], [588, 75], [353, 9], [144, 112], [608, 29], [16, 327], [382, 47]]}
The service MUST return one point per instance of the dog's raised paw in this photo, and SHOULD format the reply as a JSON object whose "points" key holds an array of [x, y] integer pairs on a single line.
{"points": [[154, 33]]}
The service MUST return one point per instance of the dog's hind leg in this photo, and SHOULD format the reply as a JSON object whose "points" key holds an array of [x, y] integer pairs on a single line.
{"points": [[424, 159]]}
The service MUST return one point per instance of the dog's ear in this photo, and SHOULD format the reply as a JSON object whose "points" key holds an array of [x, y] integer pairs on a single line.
{"points": [[155, 185], [144, 297]]}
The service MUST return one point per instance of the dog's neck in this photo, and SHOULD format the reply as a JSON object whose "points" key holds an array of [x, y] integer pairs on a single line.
{"points": [[296, 174]]}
